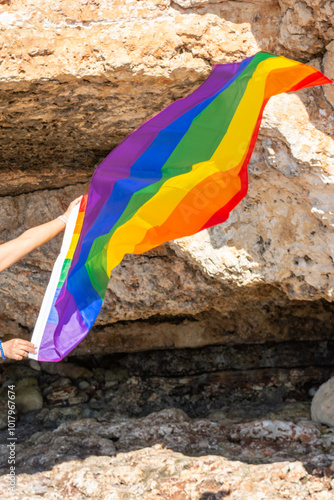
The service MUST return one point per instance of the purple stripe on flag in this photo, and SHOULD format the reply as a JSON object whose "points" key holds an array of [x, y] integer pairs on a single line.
{"points": [[73, 326]]}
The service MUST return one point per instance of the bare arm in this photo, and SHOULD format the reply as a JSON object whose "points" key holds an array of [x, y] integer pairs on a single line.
{"points": [[14, 250]]}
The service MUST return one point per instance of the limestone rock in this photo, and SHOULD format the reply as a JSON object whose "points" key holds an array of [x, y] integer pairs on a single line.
{"points": [[77, 77], [70, 370], [219, 449], [35, 365], [306, 26], [61, 382], [276, 429], [83, 385], [155, 472], [249, 441], [322, 408], [28, 396], [329, 70], [80, 397], [61, 394], [16, 372]]}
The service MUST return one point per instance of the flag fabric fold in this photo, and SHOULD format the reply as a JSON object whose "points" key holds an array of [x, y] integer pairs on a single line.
{"points": [[182, 171]]}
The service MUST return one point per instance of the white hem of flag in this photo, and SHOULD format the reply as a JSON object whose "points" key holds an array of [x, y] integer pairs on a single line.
{"points": [[53, 283]]}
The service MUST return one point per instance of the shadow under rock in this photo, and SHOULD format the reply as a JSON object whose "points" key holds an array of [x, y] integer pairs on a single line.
{"points": [[260, 414]]}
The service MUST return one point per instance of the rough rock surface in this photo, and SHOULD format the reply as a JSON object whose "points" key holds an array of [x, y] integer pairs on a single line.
{"points": [[228, 420], [322, 408], [79, 76], [168, 425], [155, 473]]}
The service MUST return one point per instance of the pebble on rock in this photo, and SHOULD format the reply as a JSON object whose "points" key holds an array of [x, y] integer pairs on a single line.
{"points": [[28, 395]]}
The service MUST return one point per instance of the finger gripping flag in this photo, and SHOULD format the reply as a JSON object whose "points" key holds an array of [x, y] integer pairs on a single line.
{"points": [[182, 171]]}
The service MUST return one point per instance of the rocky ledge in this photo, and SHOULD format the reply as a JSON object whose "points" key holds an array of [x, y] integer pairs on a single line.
{"points": [[182, 424], [241, 314], [78, 76]]}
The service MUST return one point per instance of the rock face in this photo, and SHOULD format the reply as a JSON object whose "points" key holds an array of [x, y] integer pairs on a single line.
{"points": [[252, 298], [77, 77], [306, 26], [155, 472], [167, 424]]}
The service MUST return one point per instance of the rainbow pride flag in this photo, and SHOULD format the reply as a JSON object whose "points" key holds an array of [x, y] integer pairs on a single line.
{"points": [[182, 171]]}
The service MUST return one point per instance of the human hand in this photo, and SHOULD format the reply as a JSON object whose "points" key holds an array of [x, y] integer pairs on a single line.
{"points": [[71, 206], [17, 348]]}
